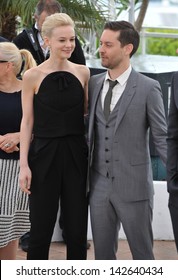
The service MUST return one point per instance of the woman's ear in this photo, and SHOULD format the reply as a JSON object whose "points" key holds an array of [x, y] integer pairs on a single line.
{"points": [[46, 41]]}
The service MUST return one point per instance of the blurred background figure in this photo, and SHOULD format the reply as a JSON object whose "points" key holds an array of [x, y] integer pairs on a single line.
{"points": [[2, 39], [172, 157]]}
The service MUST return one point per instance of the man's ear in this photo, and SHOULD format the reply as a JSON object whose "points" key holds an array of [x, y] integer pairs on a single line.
{"points": [[35, 17], [129, 48]]}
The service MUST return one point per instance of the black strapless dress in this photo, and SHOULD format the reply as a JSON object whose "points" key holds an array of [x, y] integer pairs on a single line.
{"points": [[58, 160]]}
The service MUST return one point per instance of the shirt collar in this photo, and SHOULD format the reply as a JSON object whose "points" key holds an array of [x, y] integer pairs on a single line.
{"points": [[122, 79], [36, 27], [40, 39]]}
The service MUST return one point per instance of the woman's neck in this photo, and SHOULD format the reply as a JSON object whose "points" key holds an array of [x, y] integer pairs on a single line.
{"points": [[10, 84]]}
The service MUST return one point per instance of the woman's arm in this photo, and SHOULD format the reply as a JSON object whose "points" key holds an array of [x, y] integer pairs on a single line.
{"points": [[28, 91]]}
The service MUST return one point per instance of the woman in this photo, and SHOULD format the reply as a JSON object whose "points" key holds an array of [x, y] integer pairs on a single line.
{"points": [[54, 102], [14, 212]]}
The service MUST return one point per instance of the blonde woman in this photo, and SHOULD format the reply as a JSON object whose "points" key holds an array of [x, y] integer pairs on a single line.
{"points": [[54, 102], [14, 211]]}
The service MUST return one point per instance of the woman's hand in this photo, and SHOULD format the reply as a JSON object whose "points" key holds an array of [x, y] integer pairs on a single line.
{"points": [[25, 176], [9, 142]]}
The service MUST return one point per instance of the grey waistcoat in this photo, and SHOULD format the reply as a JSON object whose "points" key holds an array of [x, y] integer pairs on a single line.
{"points": [[103, 156]]}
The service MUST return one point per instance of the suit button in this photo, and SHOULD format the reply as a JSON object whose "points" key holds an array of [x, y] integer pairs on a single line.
{"points": [[106, 150], [106, 138], [107, 161], [107, 126]]}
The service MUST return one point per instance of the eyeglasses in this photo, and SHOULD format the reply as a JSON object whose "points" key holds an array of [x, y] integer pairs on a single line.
{"points": [[3, 61]]}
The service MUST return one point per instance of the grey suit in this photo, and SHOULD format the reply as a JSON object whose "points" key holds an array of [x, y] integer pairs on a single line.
{"points": [[120, 177]]}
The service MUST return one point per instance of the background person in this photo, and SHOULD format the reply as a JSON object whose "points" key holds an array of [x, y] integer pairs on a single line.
{"points": [[121, 180], [54, 102], [172, 156], [14, 211]]}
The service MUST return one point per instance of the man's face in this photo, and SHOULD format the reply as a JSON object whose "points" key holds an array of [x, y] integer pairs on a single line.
{"points": [[111, 52], [40, 19]]}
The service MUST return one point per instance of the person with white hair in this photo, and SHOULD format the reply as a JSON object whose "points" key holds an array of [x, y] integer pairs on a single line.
{"points": [[14, 209]]}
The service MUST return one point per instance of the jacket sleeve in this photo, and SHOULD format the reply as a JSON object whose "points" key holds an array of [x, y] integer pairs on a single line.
{"points": [[157, 119], [172, 139]]}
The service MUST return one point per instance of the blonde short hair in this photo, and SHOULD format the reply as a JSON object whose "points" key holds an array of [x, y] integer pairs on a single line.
{"points": [[55, 20]]}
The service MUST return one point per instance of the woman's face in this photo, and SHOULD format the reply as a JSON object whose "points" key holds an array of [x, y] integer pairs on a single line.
{"points": [[62, 41]]}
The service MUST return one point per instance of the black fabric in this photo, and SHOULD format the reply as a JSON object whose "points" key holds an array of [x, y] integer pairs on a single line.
{"points": [[22, 41], [61, 112], [2, 39], [10, 118], [173, 208], [172, 139]]}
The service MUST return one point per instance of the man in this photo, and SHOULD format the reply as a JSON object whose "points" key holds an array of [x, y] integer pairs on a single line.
{"points": [[31, 39], [121, 182], [172, 157]]}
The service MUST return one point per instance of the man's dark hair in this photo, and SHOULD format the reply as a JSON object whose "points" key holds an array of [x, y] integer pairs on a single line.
{"points": [[49, 6], [128, 34]]}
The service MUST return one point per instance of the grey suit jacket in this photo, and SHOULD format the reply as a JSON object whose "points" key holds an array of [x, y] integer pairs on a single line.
{"points": [[141, 110]]}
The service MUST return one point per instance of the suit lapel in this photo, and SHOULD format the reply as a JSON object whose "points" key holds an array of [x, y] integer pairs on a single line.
{"points": [[126, 98], [95, 94], [97, 89]]}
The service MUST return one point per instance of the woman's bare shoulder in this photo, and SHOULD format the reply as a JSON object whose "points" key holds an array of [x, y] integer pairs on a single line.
{"points": [[33, 77], [34, 74], [31, 73], [83, 69]]}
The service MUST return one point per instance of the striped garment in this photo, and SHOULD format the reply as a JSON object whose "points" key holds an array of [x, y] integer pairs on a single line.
{"points": [[14, 208]]}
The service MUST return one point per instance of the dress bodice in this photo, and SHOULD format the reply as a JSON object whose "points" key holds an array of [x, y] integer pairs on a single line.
{"points": [[10, 118], [59, 106]]}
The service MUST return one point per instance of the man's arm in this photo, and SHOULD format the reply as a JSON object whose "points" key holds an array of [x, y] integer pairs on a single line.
{"points": [[157, 119]]}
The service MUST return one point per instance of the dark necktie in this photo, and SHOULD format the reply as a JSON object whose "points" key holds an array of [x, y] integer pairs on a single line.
{"points": [[107, 100]]}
